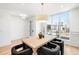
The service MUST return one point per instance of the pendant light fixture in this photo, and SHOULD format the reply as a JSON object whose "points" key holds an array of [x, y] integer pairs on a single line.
{"points": [[42, 16], [42, 4]]}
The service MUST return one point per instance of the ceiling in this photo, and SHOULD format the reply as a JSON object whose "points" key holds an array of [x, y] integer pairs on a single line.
{"points": [[37, 8]]}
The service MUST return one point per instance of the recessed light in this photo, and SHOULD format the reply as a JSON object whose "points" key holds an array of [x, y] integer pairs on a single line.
{"points": [[61, 6], [23, 15]]}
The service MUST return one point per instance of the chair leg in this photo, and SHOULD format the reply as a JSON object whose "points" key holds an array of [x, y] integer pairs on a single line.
{"points": [[62, 50]]}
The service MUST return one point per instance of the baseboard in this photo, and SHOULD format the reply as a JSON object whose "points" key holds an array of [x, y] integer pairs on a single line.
{"points": [[68, 42], [5, 44]]}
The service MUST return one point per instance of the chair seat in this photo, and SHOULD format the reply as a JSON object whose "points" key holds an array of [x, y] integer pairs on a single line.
{"points": [[26, 50]]}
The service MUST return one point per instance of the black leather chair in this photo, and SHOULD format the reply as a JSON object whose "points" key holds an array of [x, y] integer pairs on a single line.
{"points": [[60, 43], [26, 50], [48, 49]]}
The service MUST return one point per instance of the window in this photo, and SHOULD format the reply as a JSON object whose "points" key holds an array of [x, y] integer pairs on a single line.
{"points": [[60, 23]]}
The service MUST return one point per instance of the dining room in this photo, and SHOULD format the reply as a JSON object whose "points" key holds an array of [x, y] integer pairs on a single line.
{"points": [[39, 29]]}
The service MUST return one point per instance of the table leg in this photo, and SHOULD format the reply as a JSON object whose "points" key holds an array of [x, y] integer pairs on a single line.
{"points": [[34, 51]]}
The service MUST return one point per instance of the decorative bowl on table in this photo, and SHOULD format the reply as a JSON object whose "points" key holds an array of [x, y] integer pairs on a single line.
{"points": [[40, 35]]}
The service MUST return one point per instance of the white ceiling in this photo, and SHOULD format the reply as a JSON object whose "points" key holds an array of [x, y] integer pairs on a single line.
{"points": [[37, 8]]}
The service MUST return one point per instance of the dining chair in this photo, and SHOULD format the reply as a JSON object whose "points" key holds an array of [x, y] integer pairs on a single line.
{"points": [[49, 49], [26, 50], [60, 43]]}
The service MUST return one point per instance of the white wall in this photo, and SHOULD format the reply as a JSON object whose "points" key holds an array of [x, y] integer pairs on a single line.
{"points": [[4, 28], [74, 26], [17, 28], [38, 29], [11, 27]]}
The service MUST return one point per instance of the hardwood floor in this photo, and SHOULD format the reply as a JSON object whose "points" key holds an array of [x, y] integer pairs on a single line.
{"points": [[7, 49], [71, 50], [68, 50]]}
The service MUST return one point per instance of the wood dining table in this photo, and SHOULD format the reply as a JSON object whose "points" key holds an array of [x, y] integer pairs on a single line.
{"points": [[35, 42]]}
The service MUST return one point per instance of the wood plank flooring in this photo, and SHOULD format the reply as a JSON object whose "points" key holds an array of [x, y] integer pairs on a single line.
{"points": [[68, 50]]}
